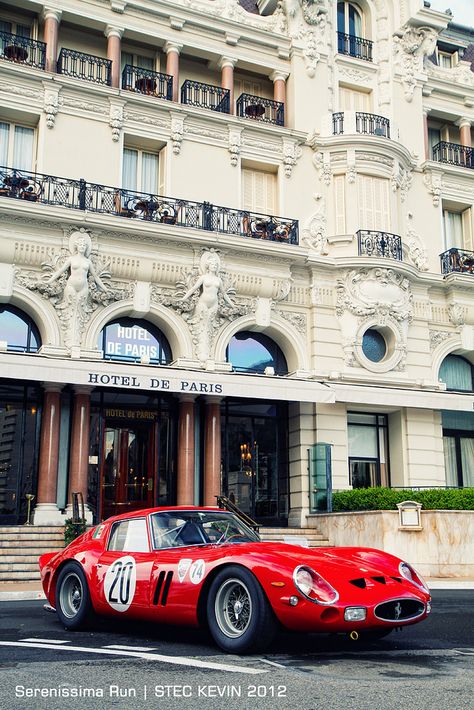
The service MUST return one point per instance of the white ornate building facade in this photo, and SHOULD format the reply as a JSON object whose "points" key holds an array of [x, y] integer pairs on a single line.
{"points": [[230, 232]]}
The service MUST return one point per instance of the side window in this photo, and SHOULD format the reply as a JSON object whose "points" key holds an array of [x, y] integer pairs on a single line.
{"points": [[129, 536]]}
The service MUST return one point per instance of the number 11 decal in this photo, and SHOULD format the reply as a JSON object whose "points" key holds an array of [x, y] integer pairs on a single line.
{"points": [[120, 582]]}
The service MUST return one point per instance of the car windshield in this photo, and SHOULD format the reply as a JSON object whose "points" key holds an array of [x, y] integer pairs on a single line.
{"points": [[183, 528]]}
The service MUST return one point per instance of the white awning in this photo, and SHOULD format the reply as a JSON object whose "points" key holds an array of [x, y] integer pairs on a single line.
{"points": [[398, 397]]}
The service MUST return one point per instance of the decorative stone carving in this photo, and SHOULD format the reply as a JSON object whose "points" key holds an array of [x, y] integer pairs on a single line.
{"points": [[235, 145], [374, 298], [412, 45], [383, 51], [308, 21], [459, 74], [297, 320], [322, 164], [291, 153], [351, 173], [116, 120], [51, 106], [437, 337], [416, 251], [315, 234], [74, 285], [401, 180], [457, 314], [177, 132], [203, 298], [434, 184]]}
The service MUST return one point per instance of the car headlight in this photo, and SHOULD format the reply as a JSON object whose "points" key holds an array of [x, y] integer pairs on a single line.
{"points": [[313, 586], [412, 575]]}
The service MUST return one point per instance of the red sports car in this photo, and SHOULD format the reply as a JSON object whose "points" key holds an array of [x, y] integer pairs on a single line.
{"points": [[196, 566]]}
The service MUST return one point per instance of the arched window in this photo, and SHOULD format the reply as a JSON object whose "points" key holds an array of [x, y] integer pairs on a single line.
{"points": [[457, 373], [349, 19], [18, 330], [134, 340], [253, 352], [351, 32]]}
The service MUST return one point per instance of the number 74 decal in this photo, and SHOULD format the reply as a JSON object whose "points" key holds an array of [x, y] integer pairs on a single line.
{"points": [[120, 583]]}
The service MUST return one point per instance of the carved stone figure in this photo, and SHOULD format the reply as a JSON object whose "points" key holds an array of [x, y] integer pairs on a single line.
{"points": [[412, 45], [211, 303], [315, 234], [416, 250]]}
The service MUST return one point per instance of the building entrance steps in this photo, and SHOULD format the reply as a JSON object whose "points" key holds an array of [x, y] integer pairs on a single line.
{"points": [[311, 535], [20, 547]]}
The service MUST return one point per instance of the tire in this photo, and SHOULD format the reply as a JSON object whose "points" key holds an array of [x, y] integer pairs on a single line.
{"points": [[73, 600], [238, 613]]}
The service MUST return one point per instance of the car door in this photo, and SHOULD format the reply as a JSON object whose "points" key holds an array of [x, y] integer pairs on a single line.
{"points": [[124, 569]]}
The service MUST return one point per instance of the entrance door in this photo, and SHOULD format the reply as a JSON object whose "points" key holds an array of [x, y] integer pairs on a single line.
{"points": [[128, 468]]}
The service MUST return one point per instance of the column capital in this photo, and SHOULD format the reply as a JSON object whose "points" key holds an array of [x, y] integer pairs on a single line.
{"points": [[463, 121], [52, 386], [227, 62], [212, 399], [172, 47], [279, 75], [51, 13], [187, 398], [82, 389], [113, 31]]}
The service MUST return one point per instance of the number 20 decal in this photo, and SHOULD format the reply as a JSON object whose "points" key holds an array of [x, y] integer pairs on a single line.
{"points": [[120, 583]]}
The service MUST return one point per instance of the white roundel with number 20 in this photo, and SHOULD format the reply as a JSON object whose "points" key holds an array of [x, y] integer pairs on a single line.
{"points": [[120, 582]]}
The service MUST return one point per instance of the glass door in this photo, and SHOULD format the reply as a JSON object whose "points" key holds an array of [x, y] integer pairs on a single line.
{"points": [[129, 468]]}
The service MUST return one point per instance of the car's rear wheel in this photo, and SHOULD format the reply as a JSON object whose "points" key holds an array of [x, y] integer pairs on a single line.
{"points": [[239, 616], [73, 601]]}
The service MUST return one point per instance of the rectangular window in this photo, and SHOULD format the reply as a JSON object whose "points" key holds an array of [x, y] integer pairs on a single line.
{"points": [[368, 450], [129, 536], [259, 191], [16, 146], [340, 204], [458, 229], [354, 100], [140, 171], [15, 28], [373, 196], [137, 60]]}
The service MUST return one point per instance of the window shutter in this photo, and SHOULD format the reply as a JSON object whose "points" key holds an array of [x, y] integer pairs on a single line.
{"points": [[467, 230], [374, 203], [353, 100], [339, 204], [259, 191]]}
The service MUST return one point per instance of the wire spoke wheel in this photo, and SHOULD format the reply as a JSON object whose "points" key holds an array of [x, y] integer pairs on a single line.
{"points": [[233, 608], [71, 595]]}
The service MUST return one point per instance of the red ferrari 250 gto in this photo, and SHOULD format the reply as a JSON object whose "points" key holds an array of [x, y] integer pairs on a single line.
{"points": [[196, 566]]}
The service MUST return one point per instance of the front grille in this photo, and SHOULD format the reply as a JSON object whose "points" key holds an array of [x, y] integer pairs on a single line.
{"points": [[399, 610]]}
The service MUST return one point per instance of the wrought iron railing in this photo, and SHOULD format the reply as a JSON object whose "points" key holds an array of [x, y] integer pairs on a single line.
{"points": [[22, 50], [457, 260], [83, 195], [146, 81], [371, 124], [454, 153], [84, 66], [260, 109], [195, 93], [338, 123], [379, 244], [354, 46]]}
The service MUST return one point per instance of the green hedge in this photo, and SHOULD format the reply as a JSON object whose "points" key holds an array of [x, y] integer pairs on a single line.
{"points": [[387, 499]]}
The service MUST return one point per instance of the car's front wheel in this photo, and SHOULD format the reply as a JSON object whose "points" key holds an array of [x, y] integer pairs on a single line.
{"points": [[239, 616], [73, 601]]}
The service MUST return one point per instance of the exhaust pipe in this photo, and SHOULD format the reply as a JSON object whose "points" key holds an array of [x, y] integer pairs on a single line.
{"points": [[354, 636], [48, 607]]}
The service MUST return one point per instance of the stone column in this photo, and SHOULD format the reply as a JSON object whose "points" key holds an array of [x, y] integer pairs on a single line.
{"points": [[212, 451], [46, 510], [114, 36], [279, 88], [51, 18], [226, 66], [425, 136], [172, 50], [465, 132], [79, 454], [185, 487]]}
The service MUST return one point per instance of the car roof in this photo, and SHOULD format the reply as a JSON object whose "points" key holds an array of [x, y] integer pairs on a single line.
{"points": [[168, 508]]}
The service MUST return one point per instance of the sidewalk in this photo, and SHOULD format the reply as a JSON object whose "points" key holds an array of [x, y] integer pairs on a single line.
{"points": [[15, 591]]}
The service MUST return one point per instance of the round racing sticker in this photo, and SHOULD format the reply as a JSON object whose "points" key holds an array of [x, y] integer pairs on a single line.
{"points": [[120, 582], [196, 573]]}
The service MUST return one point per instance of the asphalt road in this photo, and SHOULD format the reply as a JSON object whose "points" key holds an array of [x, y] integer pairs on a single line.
{"points": [[430, 665]]}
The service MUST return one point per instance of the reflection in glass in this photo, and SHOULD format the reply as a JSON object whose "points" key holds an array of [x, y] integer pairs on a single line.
{"points": [[132, 340], [253, 352], [18, 330]]}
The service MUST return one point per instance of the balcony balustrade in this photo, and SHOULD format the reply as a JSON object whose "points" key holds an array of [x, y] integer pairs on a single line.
{"points": [[215, 98], [454, 154], [84, 66], [365, 123], [457, 261], [260, 109], [22, 50], [354, 46], [146, 81], [82, 195], [379, 244]]}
